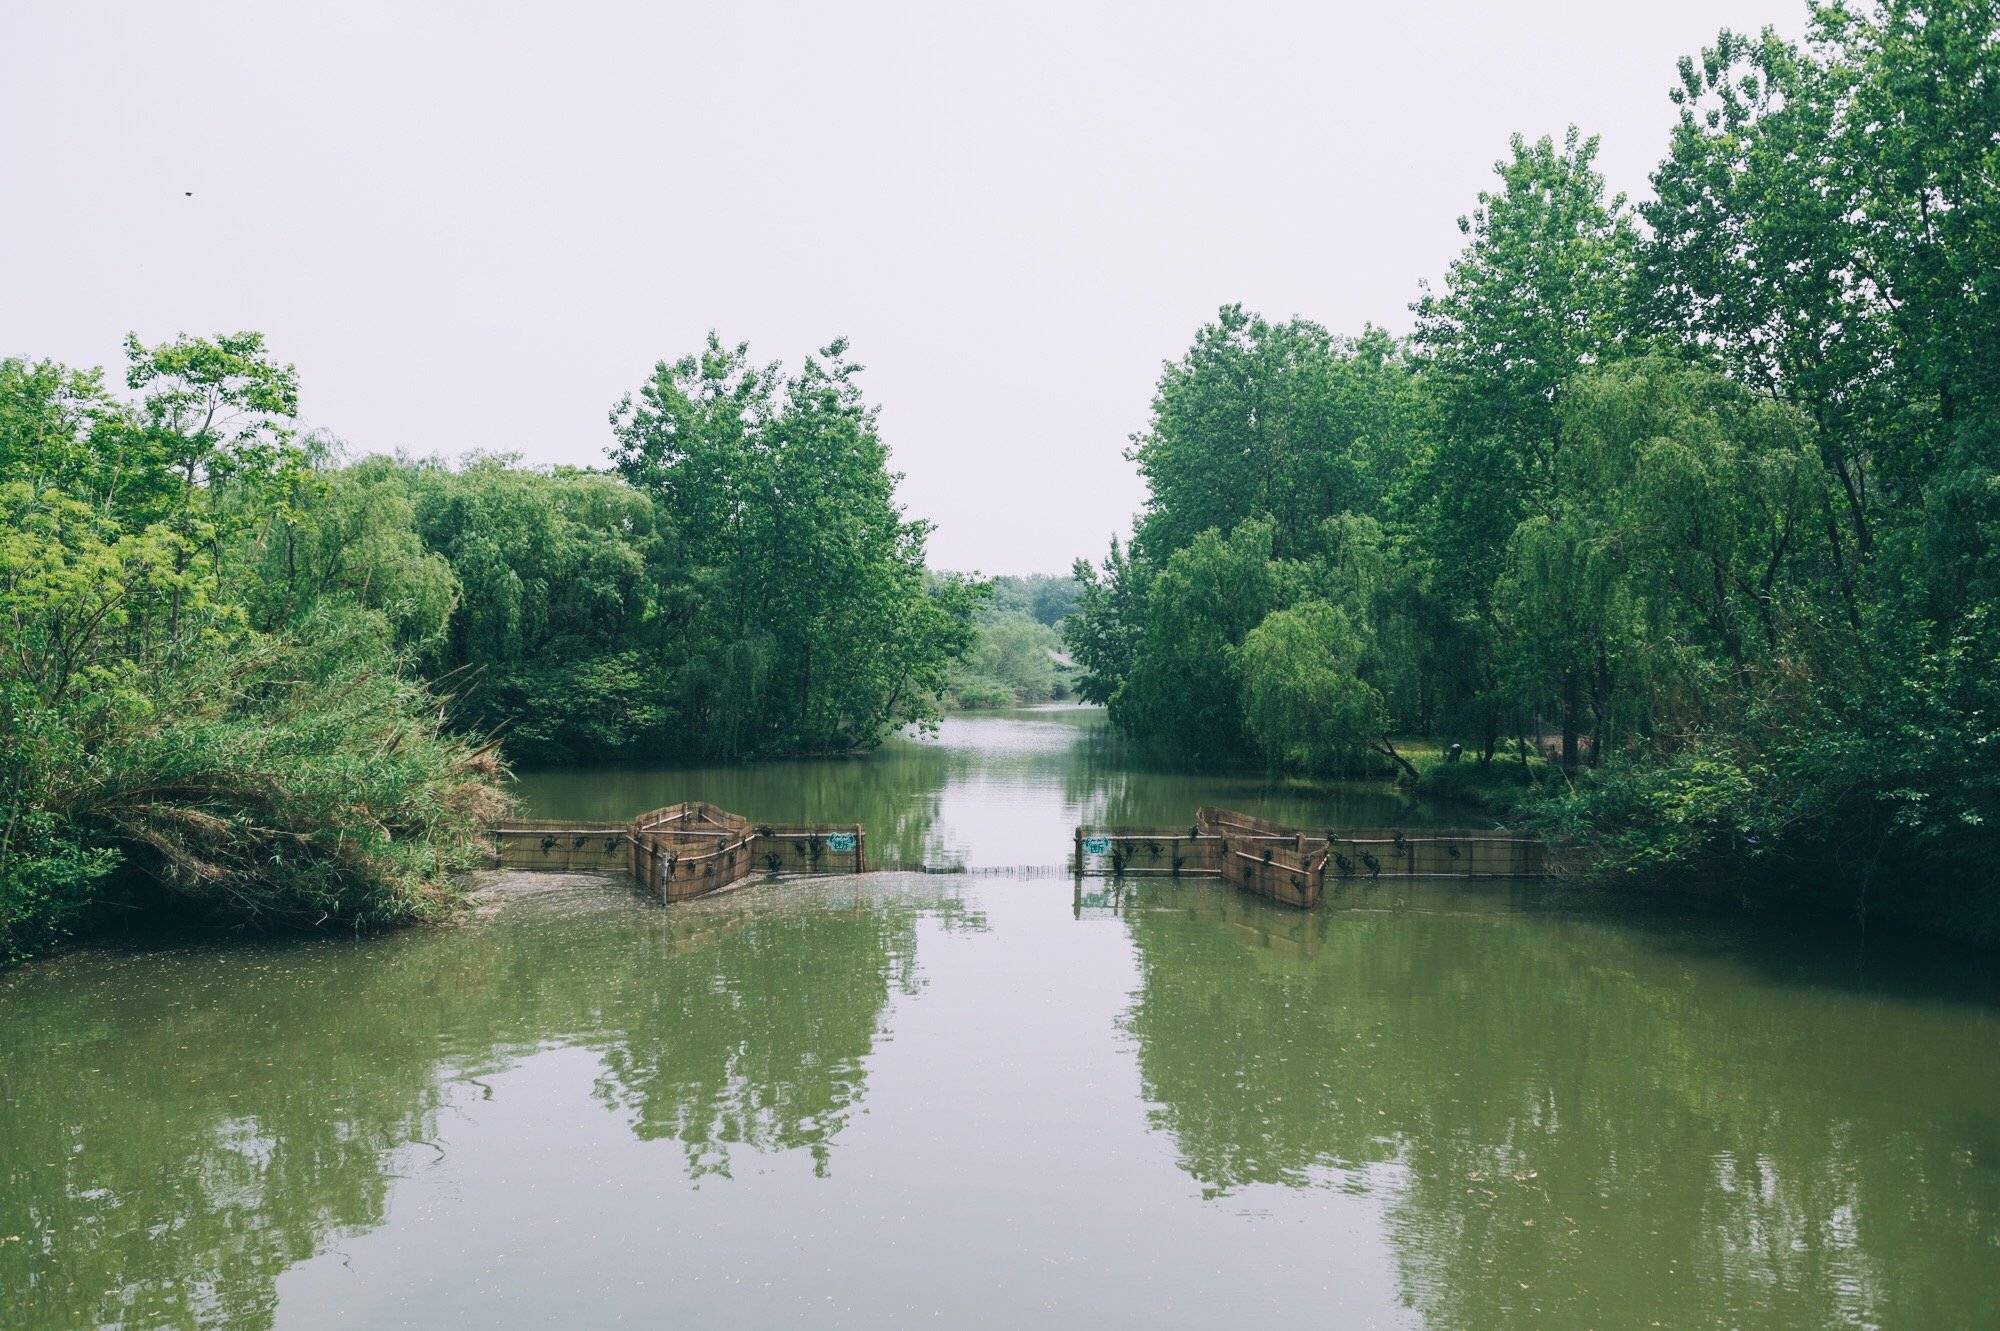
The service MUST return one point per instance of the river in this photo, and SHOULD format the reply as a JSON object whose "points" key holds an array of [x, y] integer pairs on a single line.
{"points": [[990, 1099]]}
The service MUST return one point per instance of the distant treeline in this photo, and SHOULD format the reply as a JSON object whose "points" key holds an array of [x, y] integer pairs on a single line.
{"points": [[1017, 657], [1709, 488], [244, 676]]}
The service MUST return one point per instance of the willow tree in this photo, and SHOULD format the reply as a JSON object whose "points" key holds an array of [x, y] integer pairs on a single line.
{"points": [[1304, 701], [1541, 292]]}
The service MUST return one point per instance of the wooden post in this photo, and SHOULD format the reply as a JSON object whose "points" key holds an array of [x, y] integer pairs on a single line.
{"points": [[1079, 855], [860, 849]]}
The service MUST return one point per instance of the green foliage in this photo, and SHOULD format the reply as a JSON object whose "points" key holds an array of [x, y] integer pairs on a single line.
{"points": [[1506, 787], [1045, 599], [1539, 293], [799, 613], [1103, 635], [561, 606], [49, 875], [1181, 694], [1714, 500], [1013, 663], [1271, 420], [214, 627], [348, 533], [49, 880], [293, 779], [203, 703], [1303, 702]]}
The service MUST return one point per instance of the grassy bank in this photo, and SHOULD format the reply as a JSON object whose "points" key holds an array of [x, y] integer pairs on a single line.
{"points": [[295, 780], [1504, 786]]}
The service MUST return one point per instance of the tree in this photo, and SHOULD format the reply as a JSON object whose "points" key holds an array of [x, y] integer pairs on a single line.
{"points": [[160, 747], [346, 532], [1271, 420], [805, 618], [1104, 633], [1181, 694], [560, 636], [1757, 254], [1304, 703], [1541, 292], [1675, 553], [1012, 663]]}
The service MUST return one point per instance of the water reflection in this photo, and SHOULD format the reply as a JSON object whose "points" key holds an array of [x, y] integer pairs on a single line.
{"points": [[991, 789], [1583, 1123], [993, 1099], [178, 1127], [755, 1033], [895, 792]]}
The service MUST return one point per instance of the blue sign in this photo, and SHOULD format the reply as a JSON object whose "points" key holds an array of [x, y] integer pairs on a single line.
{"points": [[1097, 845], [840, 841]]}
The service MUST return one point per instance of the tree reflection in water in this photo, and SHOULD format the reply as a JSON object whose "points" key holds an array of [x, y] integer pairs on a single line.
{"points": [[1581, 1123], [178, 1127], [1560, 1121], [755, 1034]]}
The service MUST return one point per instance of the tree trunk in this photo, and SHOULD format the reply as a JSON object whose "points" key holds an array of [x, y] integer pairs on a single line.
{"points": [[1569, 723], [1600, 706], [805, 693], [1388, 750]]}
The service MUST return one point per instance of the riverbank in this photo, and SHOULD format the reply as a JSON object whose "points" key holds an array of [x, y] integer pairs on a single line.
{"points": [[1502, 786]]}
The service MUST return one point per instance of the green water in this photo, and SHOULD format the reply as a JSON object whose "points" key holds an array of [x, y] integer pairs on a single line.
{"points": [[994, 1100]]}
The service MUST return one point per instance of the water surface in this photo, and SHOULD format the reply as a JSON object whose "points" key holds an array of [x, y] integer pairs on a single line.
{"points": [[990, 789], [999, 1100]]}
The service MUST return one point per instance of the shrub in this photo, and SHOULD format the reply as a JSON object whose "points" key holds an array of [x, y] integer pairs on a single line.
{"points": [[48, 880], [288, 780], [295, 779]]}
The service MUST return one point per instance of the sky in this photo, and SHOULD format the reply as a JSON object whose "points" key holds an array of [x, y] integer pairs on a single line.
{"points": [[474, 226]]}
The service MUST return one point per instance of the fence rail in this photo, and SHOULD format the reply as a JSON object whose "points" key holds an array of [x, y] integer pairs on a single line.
{"points": [[683, 850], [687, 850], [1291, 865], [559, 847]]}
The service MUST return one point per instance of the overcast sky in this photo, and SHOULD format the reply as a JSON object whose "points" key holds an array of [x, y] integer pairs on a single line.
{"points": [[474, 226]]}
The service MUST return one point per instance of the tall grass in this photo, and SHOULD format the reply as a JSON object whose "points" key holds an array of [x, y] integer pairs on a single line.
{"points": [[288, 780]]}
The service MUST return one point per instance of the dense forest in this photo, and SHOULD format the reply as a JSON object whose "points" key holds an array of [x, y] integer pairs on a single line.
{"points": [[247, 678], [1703, 490]]}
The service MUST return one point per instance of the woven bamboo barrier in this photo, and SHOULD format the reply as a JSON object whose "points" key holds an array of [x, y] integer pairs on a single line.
{"points": [[1287, 876], [559, 847], [688, 850], [1290, 865], [683, 850], [1435, 853]]}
